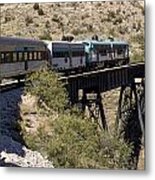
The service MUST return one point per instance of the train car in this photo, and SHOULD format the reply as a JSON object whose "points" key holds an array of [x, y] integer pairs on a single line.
{"points": [[66, 56], [20, 56], [120, 51], [77, 52], [106, 53]]}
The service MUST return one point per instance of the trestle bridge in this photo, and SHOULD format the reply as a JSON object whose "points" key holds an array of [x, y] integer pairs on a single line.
{"points": [[99, 81]]}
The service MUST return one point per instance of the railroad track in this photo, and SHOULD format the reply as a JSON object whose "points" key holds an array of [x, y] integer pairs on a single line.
{"points": [[8, 86]]}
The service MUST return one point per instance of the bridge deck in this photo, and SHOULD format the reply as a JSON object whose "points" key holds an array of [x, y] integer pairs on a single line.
{"points": [[103, 80]]}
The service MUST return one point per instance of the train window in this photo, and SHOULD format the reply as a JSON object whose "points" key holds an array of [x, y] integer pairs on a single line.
{"points": [[119, 51], [20, 56], [25, 56], [59, 54], [35, 55], [43, 55], [103, 52], [2, 57], [14, 57], [30, 56], [8, 57], [77, 53], [39, 55]]}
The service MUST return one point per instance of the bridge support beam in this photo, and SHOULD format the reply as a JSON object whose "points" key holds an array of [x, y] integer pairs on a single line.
{"points": [[131, 97], [130, 120], [92, 106]]}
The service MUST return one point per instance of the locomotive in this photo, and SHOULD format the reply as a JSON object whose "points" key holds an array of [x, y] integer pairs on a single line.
{"points": [[19, 56]]}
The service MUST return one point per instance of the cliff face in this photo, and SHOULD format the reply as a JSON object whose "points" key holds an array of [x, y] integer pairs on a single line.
{"points": [[120, 19]]}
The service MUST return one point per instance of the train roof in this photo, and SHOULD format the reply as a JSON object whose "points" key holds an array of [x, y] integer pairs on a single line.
{"points": [[56, 42], [16, 40], [108, 41]]}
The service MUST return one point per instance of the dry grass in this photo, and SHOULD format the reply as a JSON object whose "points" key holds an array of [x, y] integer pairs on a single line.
{"points": [[123, 20]]}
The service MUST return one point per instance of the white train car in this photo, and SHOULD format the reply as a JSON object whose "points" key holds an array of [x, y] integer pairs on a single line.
{"points": [[20, 56], [77, 55], [66, 56]]}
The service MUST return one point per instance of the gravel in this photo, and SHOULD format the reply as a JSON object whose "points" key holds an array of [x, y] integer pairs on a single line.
{"points": [[13, 153]]}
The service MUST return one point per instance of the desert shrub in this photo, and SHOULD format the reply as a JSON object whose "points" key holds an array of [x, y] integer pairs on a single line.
{"points": [[85, 15], [28, 20], [119, 20], [78, 30], [7, 18], [47, 24], [90, 27], [55, 18], [36, 6], [40, 12], [111, 15], [137, 57], [134, 25], [143, 11], [112, 32], [76, 143], [48, 89], [140, 39], [122, 30], [45, 36]]}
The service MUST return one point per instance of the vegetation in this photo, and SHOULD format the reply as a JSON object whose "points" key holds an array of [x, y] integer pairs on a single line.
{"points": [[45, 36], [40, 12], [28, 20], [36, 6], [130, 127], [64, 135], [48, 89], [139, 40], [82, 19]]}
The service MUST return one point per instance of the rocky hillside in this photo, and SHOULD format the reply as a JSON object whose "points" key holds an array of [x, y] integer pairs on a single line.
{"points": [[120, 19], [13, 152]]}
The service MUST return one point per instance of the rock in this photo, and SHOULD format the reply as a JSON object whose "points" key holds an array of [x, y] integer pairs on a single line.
{"points": [[13, 152]]}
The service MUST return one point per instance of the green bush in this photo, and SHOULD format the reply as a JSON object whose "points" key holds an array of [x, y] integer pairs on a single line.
{"points": [[77, 143], [69, 140], [45, 85]]}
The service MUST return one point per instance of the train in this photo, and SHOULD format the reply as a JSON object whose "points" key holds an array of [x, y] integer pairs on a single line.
{"points": [[87, 55], [19, 56]]}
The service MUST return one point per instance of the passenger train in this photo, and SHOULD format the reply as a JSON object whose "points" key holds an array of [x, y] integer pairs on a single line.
{"points": [[20, 56]]}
